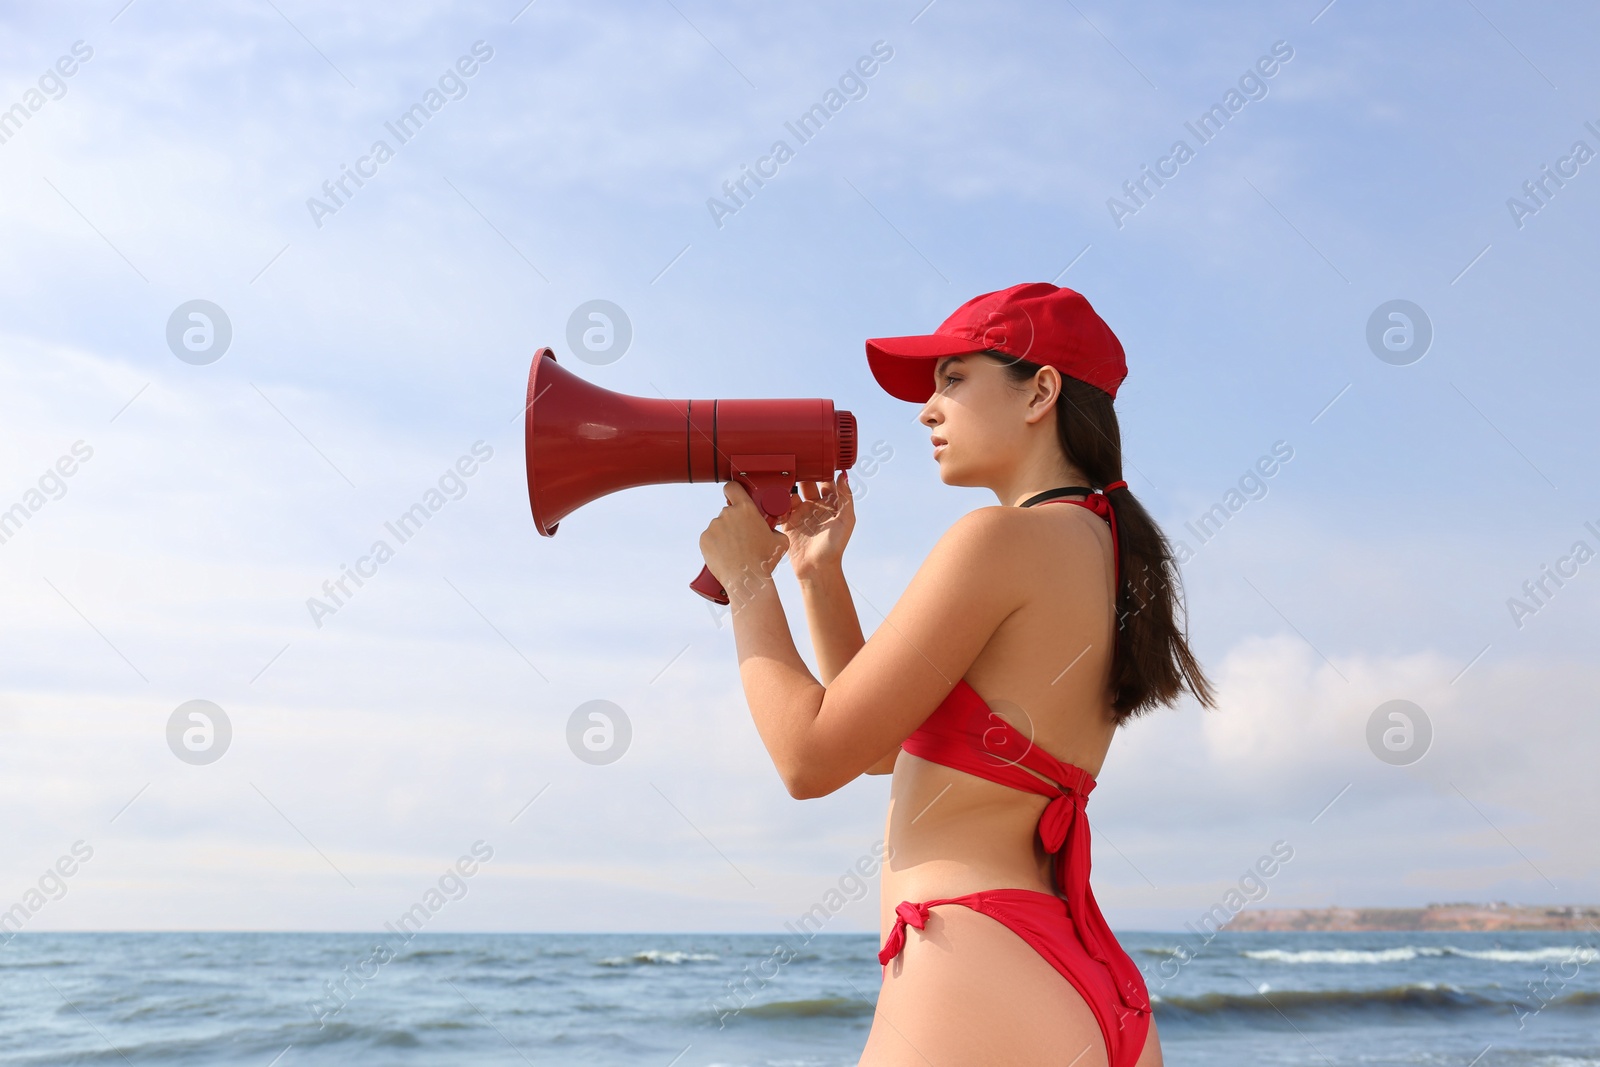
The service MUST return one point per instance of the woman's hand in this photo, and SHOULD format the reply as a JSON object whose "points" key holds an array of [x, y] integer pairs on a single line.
{"points": [[819, 525], [739, 545]]}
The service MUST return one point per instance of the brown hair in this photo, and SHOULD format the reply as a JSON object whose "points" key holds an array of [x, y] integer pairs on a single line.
{"points": [[1151, 662]]}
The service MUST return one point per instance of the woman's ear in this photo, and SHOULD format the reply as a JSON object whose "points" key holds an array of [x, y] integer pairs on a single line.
{"points": [[1044, 393]]}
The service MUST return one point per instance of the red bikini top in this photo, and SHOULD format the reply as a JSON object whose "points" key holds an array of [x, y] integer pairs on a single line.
{"points": [[965, 734]]}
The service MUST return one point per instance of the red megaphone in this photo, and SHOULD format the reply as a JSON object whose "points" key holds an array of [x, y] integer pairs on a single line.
{"points": [[584, 442]]}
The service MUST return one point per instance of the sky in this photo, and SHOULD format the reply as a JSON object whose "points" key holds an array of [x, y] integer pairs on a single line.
{"points": [[377, 345]]}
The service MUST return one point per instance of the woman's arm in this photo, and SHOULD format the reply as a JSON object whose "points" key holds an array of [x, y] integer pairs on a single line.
{"points": [[822, 737], [831, 617], [835, 632]]}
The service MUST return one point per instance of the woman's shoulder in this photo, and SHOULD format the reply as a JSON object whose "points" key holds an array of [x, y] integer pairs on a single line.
{"points": [[970, 564], [1039, 527], [1012, 548], [978, 535]]}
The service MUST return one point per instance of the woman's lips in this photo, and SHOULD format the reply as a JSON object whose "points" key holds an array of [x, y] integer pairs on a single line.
{"points": [[939, 448]]}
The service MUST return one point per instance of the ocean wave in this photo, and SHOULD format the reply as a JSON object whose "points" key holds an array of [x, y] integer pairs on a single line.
{"points": [[1160, 950], [831, 1007], [1414, 998], [657, 955], [430, 953], [1576, 953], [249, 1042], [339, 1032], [1341, 955]]}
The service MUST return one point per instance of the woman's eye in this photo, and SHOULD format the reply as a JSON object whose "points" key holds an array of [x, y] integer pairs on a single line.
{"points": [[948, 382]]}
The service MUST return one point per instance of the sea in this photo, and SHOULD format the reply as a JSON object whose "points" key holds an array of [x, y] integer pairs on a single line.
{"points": [[758, 1000]]}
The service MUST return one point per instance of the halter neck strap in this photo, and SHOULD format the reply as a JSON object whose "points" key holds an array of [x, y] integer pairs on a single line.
{"points": [[1051, 494]]}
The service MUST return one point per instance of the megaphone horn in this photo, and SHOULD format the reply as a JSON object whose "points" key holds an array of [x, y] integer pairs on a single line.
{"points": [[584, 442]]}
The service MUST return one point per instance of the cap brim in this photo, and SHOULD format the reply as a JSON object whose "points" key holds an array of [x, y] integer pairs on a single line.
{"points": [[904, 365]]}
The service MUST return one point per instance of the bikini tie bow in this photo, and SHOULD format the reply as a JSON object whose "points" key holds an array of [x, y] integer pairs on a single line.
{"points": [[1057, 819], [1100, 504], [1066, 836], [905, 912]]}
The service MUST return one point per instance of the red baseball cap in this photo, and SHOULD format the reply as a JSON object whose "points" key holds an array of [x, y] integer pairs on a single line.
{"points": [[1036, 321]]}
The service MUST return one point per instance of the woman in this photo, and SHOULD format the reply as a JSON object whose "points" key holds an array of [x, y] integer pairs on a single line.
{"points": [[995, 951]]}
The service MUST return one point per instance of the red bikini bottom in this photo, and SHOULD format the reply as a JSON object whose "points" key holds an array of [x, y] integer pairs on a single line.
{"points": [[1041, 919]]}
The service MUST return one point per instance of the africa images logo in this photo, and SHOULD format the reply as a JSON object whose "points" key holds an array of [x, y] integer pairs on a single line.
{"points": [[451, 86]]}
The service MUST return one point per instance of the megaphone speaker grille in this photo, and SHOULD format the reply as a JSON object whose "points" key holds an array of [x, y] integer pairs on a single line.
{"points": [[846, 436]]}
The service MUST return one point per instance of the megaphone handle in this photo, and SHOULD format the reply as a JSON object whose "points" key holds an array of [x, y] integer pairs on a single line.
{"points": [[769, 489], [706, 585]]}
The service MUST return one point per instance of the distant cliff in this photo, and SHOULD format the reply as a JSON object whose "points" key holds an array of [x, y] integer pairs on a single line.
{"points": [[1497, 915]]}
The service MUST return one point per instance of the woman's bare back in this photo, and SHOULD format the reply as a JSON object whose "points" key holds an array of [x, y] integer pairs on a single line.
{"points": [[1045, 671]]}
